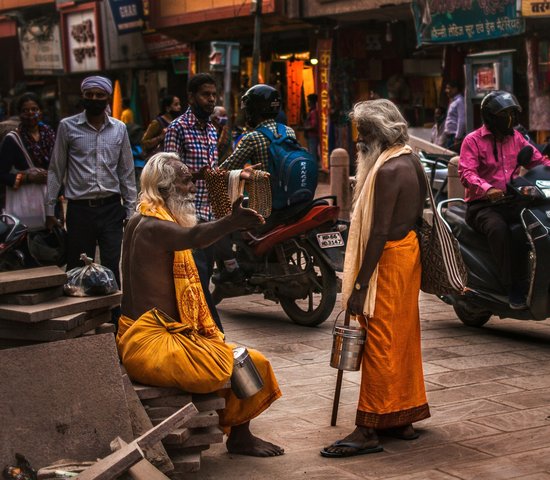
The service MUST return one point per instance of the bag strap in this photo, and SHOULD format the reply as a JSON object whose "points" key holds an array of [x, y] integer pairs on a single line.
{"points": [[14, 135], [446, 242]]}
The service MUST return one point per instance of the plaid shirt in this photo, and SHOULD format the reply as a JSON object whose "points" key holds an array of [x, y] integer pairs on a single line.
{"points": [[253, 148], [197, 146]]}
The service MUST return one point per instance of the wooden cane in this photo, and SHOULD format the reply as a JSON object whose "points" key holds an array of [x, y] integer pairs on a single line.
{"points": [[338, 388]]}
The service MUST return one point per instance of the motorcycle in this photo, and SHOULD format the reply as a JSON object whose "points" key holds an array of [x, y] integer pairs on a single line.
{"points": [[13, 240], [485, 295], [293, 262]]}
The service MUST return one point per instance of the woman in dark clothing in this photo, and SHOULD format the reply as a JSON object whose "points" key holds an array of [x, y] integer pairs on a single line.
{"points": [[153, 137], [26, 152]]}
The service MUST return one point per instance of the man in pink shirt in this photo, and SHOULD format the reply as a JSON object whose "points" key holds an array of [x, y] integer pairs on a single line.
{"points": [[488, 161]]}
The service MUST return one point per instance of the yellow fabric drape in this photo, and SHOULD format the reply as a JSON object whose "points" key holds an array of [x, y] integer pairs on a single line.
{"points": [[359, 232], [117, 101], [189, 353], [392, 383]]}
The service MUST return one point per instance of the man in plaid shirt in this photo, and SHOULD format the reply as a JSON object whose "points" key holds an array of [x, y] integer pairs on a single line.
{"points": [[195, 139]]}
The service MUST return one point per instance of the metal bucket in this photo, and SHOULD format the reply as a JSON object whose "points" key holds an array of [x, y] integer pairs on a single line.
{"points": [[245, 380], [348, 343]]}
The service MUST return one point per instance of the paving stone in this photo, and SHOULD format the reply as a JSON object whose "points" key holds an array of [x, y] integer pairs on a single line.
{"points": [[425, 475], [385, 465], [462, 363], [430, 368], [539, 458], [471, 376], [442, 342], [530, 399], [511, 422], [508, 443], [430, 354], [492, 468], [457, 412], [532, 367], [537, 476], [531, 382], [488, 348], [469, 392]]}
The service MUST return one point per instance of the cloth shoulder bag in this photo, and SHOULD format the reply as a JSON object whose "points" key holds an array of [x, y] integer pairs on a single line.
{"points": [[443, 269], [27, 203]]}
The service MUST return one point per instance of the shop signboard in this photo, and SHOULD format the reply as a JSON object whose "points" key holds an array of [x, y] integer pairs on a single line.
{"points": [[82, 38], [41, 51], [533, 8], [159, 45], [324, 52], [127, 15], [454, 21]]}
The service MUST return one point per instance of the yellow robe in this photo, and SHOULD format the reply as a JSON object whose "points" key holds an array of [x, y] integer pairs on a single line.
{"points": [[392, 384], [189, 352]]}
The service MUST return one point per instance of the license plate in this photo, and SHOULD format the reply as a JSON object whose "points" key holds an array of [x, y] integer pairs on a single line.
{"points": [[330, 239]]}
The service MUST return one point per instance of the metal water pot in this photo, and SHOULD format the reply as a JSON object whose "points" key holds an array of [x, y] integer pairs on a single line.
{"points": [[348, 343], [245, 379]]}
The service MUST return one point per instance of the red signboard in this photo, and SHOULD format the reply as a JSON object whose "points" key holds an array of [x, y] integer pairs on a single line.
{"points": [[324, 51]]}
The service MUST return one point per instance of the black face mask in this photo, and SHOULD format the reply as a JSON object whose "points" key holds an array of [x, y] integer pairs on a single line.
{"points": [[93, 106]]}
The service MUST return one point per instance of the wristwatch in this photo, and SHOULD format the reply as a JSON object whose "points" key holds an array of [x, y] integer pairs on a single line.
{"points": [[358, 286]]}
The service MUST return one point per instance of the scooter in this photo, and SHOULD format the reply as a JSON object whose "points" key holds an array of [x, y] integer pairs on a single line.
{"points": [[485, 295], [13, 235], [293, 261]]}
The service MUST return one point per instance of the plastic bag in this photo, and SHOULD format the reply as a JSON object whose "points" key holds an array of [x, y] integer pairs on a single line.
{"points": [[90, 280]]}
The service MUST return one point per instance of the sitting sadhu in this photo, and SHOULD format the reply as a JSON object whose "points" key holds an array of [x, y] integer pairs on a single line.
{"points": [[166, 335]]}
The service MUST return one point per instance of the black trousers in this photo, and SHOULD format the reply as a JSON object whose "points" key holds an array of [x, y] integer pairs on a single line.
{"points": [[91, 226], [493, 221], [204, 260]]}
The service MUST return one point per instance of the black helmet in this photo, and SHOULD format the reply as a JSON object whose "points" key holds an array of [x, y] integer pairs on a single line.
{"points": [[496, 102], [260, 102], [48, 247]]}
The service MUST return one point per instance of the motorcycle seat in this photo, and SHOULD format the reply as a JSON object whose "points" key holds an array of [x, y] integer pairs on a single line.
{"points": [[456, 218]]}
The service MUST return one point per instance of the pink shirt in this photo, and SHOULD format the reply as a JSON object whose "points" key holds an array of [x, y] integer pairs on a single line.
{"points": [[479, 170]]}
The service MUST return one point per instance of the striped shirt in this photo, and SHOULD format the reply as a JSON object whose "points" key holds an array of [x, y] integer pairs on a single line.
{"points": [[91, 163], [197, 146], [455, 122], [254, 148]]}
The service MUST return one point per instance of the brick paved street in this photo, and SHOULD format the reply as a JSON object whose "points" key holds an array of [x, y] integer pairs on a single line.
{"points": [[488, 389]]}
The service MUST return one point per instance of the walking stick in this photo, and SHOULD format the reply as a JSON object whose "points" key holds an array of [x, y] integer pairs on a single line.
{"points": [[338, 388]]}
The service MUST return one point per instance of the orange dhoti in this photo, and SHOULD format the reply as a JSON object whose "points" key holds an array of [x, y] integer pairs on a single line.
{"points": [[392, 384]]}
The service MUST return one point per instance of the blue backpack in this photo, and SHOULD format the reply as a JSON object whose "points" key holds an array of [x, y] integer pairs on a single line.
{"points": [[293, 169]]}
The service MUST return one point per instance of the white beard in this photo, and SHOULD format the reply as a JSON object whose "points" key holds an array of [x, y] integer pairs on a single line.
{"points": [[182, 208], [363, 165]]}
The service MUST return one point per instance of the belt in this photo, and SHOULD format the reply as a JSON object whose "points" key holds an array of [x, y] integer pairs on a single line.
{"points": [[96, 202]]}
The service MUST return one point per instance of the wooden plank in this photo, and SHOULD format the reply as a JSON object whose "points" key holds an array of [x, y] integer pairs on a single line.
{"points": [[33, 297], [186, 462], [31, 279], [210, 401], [168, 401], [143, 470], [146, 392], [202, 419], [175, 449], [197, 437], [105, 328], [114, 465], [21, 332], [156, 454], [177, 437], [56, 308], [164, 428], [51, 471]]}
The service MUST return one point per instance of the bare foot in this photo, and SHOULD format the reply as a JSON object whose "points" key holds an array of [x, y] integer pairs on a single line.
{"points": [[361, 440], [242, 442]]}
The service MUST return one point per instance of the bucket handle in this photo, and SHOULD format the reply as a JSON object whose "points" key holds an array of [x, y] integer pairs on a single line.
{"points": [[347, 318]]}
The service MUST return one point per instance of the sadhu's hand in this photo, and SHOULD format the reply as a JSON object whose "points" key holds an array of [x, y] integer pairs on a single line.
{"points": [[244, 218], [356, 301]]}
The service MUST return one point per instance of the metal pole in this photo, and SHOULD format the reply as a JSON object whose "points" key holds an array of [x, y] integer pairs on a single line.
{"points": [[257, 40], [227, 83]]}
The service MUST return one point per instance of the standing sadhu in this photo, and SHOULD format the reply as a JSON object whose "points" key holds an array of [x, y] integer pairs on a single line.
{"points": [[382, 280]]}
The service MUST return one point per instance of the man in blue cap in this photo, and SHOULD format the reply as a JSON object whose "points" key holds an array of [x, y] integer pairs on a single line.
{"points": [[92, 159]]}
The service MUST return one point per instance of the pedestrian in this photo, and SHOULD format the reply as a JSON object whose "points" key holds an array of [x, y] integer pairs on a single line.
{"points": [[92, 158], [225, 142], [438, 136], [160, 278], [488, 161], [455, 121], [194, 138], [127, 115], [311, 127], [382, 280], [25, 155], [153, 138]]}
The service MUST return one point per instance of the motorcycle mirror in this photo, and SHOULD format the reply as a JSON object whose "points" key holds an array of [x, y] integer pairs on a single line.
{"points": [[525, 155]]}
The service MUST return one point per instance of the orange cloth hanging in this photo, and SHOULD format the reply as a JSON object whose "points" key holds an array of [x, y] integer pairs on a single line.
{"points": [[117, 101], [294, 91]]}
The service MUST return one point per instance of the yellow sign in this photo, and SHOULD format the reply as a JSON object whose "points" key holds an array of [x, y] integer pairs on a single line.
{"points": [[535, 8]]}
